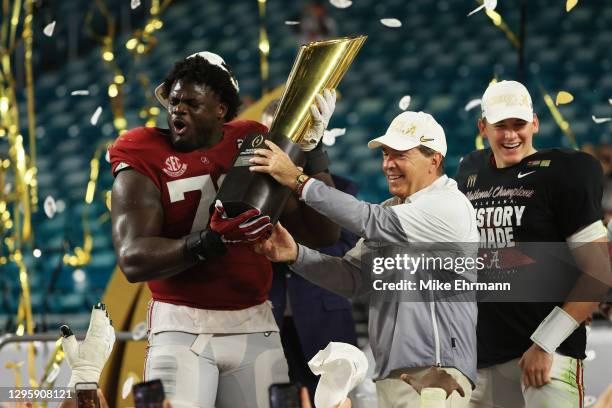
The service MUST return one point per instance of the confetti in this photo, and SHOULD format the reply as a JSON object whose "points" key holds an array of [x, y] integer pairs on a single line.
{"points": [[127, 387], [391, 22], [53, 374], [79, 92], [590, 355], [341, 3], [476, 10], [48, 30], [610, 101], [404, 103], [50, 207], [134, 4], [600, 120], [490, 4], [61, 206], [472, 104], [589, 401], [7, 188], [96, 116], [329, 136], [289, 22], [570, 4], [107, 157], [139, 331], [563, 98]]}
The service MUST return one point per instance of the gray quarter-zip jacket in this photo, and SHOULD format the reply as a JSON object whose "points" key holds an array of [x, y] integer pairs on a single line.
{"points": [[403, 334]]}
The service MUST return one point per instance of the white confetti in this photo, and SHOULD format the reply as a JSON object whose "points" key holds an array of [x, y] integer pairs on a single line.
{"points": [[139, 331], [476, 10], [290, 22], [50, 207], [490, 4], [127, 387], [341, 3], [96, 116], [134, 4], [80, 92], [472, 104], [590, 355], [61, 205], [107, 157], [48, 30], [404, 103], [610, 101], [7, 188], [589, 401], [329, 136], [391, 22], [600, 120], [53, 374]]}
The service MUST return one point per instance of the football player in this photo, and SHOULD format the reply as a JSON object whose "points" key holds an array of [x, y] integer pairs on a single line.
{"points": [[213, 340], [530, 354]]}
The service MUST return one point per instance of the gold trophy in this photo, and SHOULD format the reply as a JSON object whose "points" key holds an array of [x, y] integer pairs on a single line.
{"points": [[319, 65]]}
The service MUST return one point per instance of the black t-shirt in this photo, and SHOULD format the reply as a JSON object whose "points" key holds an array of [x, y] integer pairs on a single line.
{"points": [[546, 197]]}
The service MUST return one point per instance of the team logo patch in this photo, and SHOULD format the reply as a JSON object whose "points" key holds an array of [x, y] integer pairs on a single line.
{"points": [[471, 180], [204, 160], [409, 131], [257, 141], [540, 163], [174, 167]]}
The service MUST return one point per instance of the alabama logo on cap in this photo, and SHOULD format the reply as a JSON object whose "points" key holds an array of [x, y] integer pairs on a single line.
{"points": [[174, 167]]}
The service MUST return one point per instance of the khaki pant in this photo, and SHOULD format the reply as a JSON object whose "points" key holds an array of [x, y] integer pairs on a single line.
{"points": [[500, 386], [395, 393]]}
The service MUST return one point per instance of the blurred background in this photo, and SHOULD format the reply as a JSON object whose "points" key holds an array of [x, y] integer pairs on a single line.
{"points": [[114, 52]]}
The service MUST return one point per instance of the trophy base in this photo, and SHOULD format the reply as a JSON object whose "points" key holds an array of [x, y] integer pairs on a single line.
{"points": [[242, 189]]}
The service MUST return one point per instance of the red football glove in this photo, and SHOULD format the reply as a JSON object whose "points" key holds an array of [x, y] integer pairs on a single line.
{"points": [[246, 227]]}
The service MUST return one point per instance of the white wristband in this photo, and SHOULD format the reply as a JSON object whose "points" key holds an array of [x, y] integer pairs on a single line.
{"points": [[554, 329]]}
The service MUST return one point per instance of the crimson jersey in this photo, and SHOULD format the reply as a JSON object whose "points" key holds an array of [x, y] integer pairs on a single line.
{"points": [[188, 182]]}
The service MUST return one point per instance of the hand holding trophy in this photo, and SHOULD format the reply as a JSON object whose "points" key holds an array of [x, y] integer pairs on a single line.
{"points": [[319, 65]]}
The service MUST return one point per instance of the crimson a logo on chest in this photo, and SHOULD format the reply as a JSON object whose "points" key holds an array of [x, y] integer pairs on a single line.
{"points": [[174, 167]]}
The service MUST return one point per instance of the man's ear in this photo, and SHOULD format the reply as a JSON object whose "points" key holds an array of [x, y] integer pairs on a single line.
{"points": [[436, 160], [222, 110], [536, 123], [482, 124]]}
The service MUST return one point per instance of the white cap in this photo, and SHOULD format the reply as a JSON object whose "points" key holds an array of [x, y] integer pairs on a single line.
{"points": [[507, 99], [213, 59], [410, 129], [342, 367]]}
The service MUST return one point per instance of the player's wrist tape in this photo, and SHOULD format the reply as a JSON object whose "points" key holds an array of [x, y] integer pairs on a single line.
{"points": [[205, 244], [554, 329], [316, 161]]}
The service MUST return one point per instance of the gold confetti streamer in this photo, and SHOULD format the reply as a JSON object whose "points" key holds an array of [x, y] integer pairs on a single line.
{"points": [[82, 254], [19, 199], [570, 4], [558, 117], [563, 98], [264, 47]]}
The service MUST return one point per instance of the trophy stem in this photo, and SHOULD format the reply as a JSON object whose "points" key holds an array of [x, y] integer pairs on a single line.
{"points": [[243, 189]]}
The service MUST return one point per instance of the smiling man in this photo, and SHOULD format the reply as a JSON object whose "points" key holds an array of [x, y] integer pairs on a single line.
{"points": [[213, 340], [530, 354], [407, 337]]}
